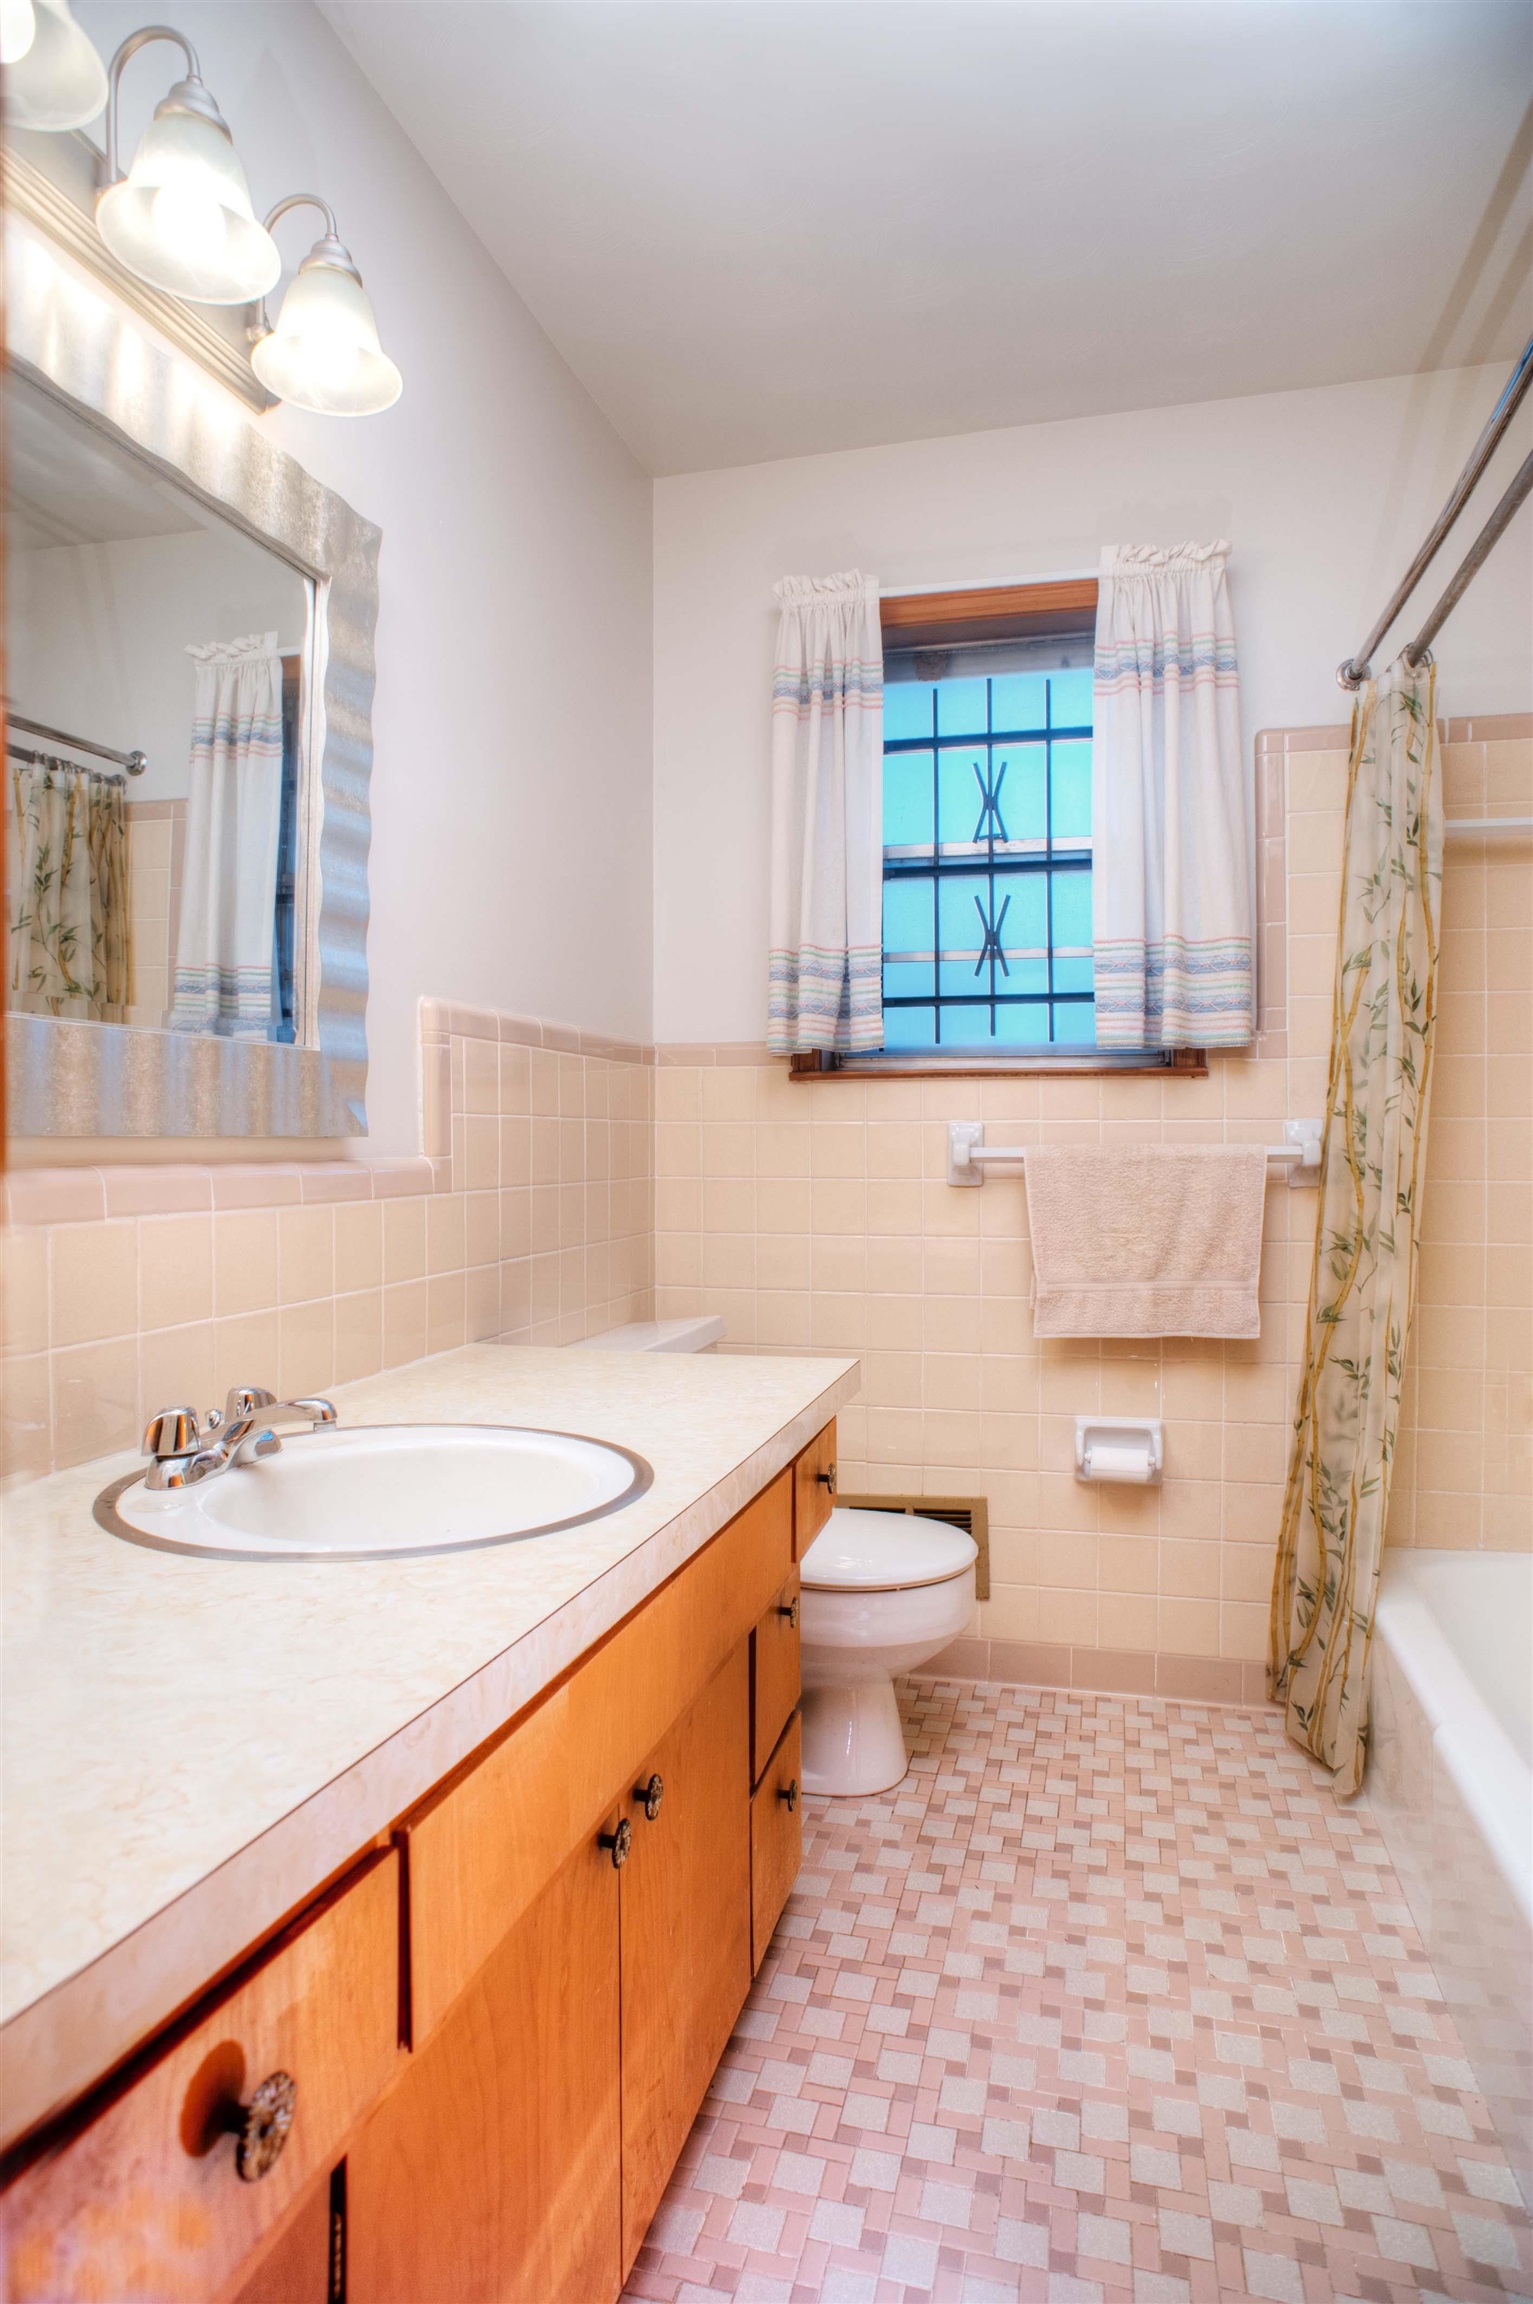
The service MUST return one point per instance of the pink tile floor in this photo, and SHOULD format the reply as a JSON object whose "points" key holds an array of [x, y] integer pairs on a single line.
{"points": [[1108, 2000]]}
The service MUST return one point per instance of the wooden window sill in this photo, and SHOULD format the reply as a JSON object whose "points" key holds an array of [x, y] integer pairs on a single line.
{"points": [[1182, 1064]]}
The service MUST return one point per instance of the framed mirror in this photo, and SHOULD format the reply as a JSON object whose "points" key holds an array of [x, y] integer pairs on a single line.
{"points": [[189, 643]]}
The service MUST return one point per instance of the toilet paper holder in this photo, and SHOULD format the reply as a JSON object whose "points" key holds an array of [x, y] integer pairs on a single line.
{"points": [[1127, 1448]]}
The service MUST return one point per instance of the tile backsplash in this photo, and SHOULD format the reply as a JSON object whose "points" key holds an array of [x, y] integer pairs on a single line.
{"points": [[567, 1183], [530, 1215]]}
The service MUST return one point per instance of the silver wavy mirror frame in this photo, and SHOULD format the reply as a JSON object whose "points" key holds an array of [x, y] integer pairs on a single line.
{"points": [[66, 1078]]}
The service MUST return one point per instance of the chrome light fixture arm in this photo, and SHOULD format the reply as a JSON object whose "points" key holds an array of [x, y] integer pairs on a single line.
{"points": [[331, 245], [112, 171]]}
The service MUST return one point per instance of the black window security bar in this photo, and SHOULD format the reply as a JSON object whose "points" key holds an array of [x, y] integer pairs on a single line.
{"points": [[1357, 668], [1003, 862]]}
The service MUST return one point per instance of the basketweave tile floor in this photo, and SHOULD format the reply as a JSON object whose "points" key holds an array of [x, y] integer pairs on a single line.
{"points": [[1110, 1999]]}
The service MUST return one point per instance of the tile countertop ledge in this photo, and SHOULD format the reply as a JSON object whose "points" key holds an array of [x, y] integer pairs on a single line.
{"points": [[191, 1747]]}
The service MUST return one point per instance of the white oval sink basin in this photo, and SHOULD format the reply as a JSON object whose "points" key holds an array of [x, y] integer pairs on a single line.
{"points": [[369, 1492]]}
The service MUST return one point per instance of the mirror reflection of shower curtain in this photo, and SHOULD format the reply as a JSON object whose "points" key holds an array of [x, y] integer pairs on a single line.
{"points": [[223, 981], [67, 892]]}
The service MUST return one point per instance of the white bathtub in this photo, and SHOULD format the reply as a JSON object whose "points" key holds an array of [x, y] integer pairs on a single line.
{"points": [[1450, 1780]]}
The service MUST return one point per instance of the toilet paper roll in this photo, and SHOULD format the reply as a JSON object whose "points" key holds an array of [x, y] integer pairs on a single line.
{"points": [[1123, 1462]]}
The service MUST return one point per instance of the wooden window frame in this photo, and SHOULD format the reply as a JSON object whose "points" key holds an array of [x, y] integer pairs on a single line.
{"points": [[958, 619]]}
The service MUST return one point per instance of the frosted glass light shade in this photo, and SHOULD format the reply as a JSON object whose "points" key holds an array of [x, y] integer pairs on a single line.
{"points": [[182, 218], [55, 81], [324, 352]]}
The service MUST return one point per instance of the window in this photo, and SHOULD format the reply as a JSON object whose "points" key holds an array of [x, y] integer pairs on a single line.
{"points": [[987, 852]]}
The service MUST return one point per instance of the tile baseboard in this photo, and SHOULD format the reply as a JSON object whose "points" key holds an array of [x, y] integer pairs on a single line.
{"points": [[1105, 1671]]}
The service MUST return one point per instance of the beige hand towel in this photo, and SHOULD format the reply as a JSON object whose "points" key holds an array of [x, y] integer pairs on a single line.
{"points": [[1146, 1239]]}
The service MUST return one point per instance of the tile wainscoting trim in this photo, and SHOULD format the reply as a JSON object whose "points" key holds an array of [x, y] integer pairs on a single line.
{"points": [[1105, 1671]]}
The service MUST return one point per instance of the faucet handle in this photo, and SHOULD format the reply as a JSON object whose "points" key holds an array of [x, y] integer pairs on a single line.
{"points": [[247, 1401], [173, 1432]]}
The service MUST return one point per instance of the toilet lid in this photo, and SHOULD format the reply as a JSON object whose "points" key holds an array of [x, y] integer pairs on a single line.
{"points": [[864, 1551]]}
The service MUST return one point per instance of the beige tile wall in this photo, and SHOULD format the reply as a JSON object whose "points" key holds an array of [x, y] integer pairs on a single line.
{"points": [[815, 1215], [531, 1218], [156, 848], [1464, 1469]]}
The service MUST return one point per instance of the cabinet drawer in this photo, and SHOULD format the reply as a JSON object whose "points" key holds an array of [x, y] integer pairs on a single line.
{"points": [[145, 2204], [814, 1489], [774, 1674], [482, 1848], [777, 1837]]}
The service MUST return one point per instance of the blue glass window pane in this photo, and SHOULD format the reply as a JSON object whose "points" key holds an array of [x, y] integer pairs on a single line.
{"points": [[908, 915], [961, 707], [1071, 776], [1072, 907], [1070, 699], [1073, 976], [959, 923], [1018, 701], [1075, 1023], [1023, 1027], [1022, 793], [909, 979], [907, 800], [907, 709], [1026, 975], [910, 1027], [960, 803], [1027, 926]]}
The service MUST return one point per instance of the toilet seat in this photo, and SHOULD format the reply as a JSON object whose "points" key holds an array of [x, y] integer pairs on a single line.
{"points": [[861, 1550]]}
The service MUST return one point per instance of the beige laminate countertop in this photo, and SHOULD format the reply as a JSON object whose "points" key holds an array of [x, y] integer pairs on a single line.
{"points": [[191, 1747]]}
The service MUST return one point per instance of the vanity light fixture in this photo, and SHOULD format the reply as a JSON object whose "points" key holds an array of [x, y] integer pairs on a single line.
{"points": [[54, 80], [324, 352], [181, 218]]}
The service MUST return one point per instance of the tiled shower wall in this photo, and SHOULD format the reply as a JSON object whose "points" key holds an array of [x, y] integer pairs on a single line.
{"points": [[156, 853], [815, 1215], [530, 1216]]}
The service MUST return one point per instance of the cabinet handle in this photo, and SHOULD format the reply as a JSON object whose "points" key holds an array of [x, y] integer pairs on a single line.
{"points": [[788, 1611], [260, 2127], [788, 1794], [649, 1795], [827, 1478], [619, 1841]]}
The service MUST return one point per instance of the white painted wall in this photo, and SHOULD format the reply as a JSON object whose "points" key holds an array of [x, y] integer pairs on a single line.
{"points": [[99, 633], [1324, 495], [511, 782]]}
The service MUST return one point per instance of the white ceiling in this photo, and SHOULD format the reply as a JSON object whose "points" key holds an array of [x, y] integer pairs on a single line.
{"points": [[761, 228]]}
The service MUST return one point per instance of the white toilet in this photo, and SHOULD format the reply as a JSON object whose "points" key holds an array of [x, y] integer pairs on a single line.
{"points": [[882, 1591]]}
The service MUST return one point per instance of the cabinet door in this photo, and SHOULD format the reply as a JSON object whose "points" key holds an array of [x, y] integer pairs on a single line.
{"points": [[774, 1674], [686, 1907], [777, 1838], [490, 2174], [814, 1489]]}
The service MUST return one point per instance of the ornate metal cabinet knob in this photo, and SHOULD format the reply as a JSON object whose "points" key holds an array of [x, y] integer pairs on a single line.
{"points": [[788, 1611], [260, 2127], [650, 1794], [827, 1478], [617, 1842], [788, 1794]]}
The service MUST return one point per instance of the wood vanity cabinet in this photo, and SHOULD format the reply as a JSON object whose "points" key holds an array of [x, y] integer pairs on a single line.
{"points": [[503, 2025]]}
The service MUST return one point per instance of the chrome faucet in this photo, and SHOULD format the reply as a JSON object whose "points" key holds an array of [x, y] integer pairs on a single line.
{"points": [[240, 1433]]}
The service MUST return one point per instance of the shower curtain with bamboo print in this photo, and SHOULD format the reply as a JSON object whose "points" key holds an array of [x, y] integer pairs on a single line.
{"points": [[1362, 1285], [67, 892]]}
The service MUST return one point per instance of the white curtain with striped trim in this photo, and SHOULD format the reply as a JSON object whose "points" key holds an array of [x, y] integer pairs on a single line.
{"points": [[825, 985], [1173, 884], [225, 945]]}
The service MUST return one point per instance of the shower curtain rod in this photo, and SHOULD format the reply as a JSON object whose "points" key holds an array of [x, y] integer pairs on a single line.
{"points": [[1473, 561], [134, 762], [1355, 670]]}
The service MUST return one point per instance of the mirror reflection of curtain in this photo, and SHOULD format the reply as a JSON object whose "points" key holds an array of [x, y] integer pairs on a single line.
{"points": [[67, 892], [223, 980]]}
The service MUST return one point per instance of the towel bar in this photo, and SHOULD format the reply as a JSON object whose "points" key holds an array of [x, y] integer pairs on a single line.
{"points": [[968, 1155]]}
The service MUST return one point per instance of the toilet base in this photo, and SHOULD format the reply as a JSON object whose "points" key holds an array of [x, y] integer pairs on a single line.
{"points": [[853, 1741]]}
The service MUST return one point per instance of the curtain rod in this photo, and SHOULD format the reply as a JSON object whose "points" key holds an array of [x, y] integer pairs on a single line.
{"points": [[1473, 561], [1354, 671], [134, 762]]}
